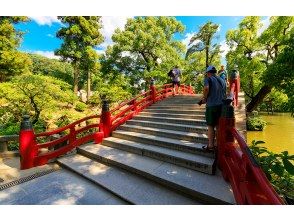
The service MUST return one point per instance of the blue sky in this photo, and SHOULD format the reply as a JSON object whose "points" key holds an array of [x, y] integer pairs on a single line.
{"points": [[40, 32]]}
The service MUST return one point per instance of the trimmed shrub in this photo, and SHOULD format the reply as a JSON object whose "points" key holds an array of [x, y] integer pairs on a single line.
{"points": [[80, 106], [255, 123]]}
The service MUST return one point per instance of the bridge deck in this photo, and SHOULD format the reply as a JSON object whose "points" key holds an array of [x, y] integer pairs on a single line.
{"points": [[155, 158]]}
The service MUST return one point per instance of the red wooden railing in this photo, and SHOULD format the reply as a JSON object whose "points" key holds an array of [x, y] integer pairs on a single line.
{"points": [[97, 127], [249, 183]]}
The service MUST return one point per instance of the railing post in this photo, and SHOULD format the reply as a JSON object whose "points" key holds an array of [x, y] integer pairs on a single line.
{"points": [[226, 121], [106, 118], [72, 135], [135, 107], [27, 145], [164, 94], [153, 90]]}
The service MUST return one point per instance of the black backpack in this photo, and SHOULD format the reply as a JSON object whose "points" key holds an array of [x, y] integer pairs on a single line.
{"points": [[171, 73]]}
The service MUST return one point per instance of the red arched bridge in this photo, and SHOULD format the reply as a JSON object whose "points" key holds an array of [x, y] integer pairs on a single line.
{"points": [[148, 150]]}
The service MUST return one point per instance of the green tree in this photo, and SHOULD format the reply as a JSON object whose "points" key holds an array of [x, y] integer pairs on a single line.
{"points": [[79, 35], [204, 42], [144, 49], [254, 54], [281, 72], [33, 94], [52, 67], [12, 62], [90, 65]]}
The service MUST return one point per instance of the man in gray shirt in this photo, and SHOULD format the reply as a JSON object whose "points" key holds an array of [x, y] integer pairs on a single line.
{"points": [[213, 95]]}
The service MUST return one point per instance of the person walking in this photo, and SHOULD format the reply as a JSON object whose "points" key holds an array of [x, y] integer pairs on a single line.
{"points": [[223, 74], [214, 93], [235, 85], [175, 74]]}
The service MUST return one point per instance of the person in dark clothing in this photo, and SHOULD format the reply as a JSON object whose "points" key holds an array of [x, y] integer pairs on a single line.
{"points": [[214, 93], [175, 74]]}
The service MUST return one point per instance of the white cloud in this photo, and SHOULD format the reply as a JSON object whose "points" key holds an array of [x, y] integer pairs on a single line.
{"points": [[109, 25], [45, 20], [48, 54], [225, 48], [265, 23], [187, 39], [219, 28], [50, 35]]}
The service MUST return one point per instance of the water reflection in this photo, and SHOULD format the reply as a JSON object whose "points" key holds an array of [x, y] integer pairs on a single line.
{"points": [[278, 134]]}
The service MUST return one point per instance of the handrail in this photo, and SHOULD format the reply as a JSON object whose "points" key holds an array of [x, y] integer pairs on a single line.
{"points": [[109, 121], [249, 183], [128, 101], [56, 131], [251, 164]]}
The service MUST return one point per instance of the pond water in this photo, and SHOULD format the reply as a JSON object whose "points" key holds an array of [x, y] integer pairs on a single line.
{"points": [[278, 134]]}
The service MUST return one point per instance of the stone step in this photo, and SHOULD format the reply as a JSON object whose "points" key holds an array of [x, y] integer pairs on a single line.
{"points": [[175, 111], [61, 187], [177, 102], [180, 145], [184, 121], [170, 115], [177, 107], [192, 161], [130, 187], [209, 189], [169, 126], [178, 135]]}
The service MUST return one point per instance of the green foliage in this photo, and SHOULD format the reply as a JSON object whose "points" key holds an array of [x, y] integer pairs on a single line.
{"points": [[12, 62], [204, 43], [145, 48], [33, 94], [278, 100], [80, 35], [263, 59], [277, 167], [112, 93], [52, 67], [9, 129], [281, 72], [243, 43], [199, 85], [80, 106], [255, 123]]}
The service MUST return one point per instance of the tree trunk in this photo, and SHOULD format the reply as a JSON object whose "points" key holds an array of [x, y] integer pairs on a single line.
{"points": [[206, 55], [76, 78], [37, 110], [258, 98], [88, 86]]}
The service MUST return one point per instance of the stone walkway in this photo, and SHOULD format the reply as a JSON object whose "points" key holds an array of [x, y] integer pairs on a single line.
{"points": [[10, 170], [240, 115]]}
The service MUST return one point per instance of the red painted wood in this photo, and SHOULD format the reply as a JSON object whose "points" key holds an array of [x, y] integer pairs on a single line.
{"points": [[248, 181]]}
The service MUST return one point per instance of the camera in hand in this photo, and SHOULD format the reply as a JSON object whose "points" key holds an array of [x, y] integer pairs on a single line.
{"points": [[201, 102]]}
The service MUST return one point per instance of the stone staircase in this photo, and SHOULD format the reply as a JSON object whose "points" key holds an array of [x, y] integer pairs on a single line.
{"points": [[156, 158]]}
